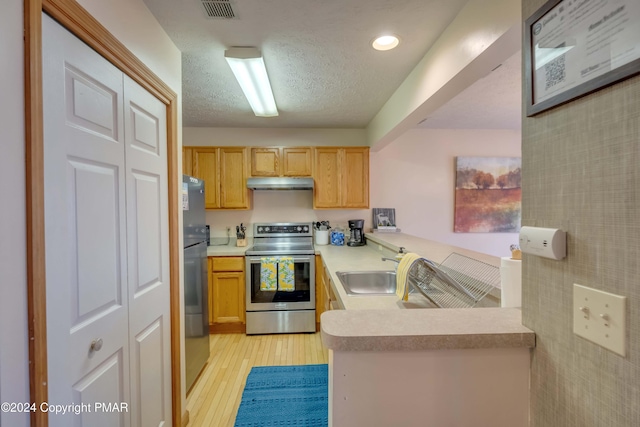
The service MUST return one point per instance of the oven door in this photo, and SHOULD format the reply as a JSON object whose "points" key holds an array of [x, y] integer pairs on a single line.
{"points": [[303, 297]]}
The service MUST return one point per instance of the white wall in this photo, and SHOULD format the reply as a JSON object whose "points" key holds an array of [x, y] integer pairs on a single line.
{"points": [[282, 206], [261, 137], [416, 176], [14, 368], [132, 23]]}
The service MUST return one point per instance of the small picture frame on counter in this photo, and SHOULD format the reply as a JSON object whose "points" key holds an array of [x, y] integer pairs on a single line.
{"points": [[384, 220]]}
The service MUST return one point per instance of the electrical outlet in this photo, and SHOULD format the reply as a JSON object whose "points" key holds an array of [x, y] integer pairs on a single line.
{"points": [[600, 317]]}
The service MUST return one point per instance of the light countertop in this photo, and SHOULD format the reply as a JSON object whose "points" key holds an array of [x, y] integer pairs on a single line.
{"points": [[219, 248], [380, 323], [363, 258], [377, 323], [400, 330], [369, 258]]}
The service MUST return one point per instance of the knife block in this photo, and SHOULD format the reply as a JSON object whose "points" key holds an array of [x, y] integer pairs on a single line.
{"points": [[241, 242]]}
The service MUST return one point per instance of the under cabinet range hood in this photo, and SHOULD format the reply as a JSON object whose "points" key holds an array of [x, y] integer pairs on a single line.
{"points": [[278, 183]]}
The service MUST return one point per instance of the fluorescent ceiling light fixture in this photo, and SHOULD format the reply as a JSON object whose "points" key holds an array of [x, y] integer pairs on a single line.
{"points": [[386, 42], [248, 67]]}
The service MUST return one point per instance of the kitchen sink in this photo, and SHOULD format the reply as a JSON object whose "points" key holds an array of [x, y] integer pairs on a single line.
{"points": [[368, 283]]}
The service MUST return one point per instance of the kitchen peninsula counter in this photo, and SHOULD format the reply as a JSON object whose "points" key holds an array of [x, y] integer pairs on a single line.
{"points": [[465, 366], [369, 258], [386, 322]]}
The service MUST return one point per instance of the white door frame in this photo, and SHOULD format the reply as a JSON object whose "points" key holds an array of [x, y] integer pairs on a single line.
{"points": [[84, 26]]}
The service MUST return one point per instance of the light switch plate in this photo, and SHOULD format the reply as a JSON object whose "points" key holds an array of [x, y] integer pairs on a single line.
{"points": [[600, 317]]}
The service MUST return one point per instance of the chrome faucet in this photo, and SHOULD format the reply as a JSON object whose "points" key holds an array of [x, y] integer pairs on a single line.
{"points": [[397, 259]]}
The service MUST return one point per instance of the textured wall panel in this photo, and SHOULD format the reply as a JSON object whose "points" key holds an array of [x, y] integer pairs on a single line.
{"points": [[581, 173]]}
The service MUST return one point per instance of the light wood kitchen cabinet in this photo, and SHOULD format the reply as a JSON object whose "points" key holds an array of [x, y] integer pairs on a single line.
{"points": [[325, 297], [234, 193], [224, 171], [341, 178], [226, 295], [187, 161], [281, 161], [296, 161], [265, 161], [205, 166]]}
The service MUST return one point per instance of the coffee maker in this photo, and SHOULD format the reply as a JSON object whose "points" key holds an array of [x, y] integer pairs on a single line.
{"points": [[356, 232]]}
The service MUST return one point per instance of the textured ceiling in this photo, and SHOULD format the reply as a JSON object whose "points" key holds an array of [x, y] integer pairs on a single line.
{"points": [[493, 102], [323, 71]]}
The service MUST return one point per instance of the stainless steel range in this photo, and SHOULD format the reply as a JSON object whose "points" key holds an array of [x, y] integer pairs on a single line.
{"points": [[281, 288]]}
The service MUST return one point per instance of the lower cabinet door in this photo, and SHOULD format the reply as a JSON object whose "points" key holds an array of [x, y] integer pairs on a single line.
{"points": [[228, 297]]}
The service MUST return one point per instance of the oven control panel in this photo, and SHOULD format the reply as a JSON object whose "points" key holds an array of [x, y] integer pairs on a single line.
{"points": [[283, 229]]}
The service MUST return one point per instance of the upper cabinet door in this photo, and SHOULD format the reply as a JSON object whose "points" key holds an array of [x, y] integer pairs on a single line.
{"points": [[327, 189], [281, 161], [297, 161], [265, 161], [233, 178], [355, 178], [341, 178], [187, 161], [205, 167], [224, 171]]}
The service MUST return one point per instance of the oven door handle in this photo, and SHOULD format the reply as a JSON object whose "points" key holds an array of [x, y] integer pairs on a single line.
{"points": [[255, 259]]}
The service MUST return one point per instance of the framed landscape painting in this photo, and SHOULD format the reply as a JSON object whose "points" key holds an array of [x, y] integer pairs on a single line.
{"points": [[488, 195]]}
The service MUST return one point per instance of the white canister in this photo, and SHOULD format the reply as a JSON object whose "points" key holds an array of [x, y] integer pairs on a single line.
{"points": [[322, 237]]}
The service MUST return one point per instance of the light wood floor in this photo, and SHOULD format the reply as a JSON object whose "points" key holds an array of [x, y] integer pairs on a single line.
{"points": [[214, 399]]}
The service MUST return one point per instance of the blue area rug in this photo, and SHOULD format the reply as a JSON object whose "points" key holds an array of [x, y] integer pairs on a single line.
{"points": [[285, 396]]}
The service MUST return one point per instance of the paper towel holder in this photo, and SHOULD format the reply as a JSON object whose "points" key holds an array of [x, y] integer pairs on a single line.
{"points": [[544, 242]]}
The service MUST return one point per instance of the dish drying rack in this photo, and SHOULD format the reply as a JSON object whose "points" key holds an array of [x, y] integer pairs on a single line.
{"points": [[458, 282]]}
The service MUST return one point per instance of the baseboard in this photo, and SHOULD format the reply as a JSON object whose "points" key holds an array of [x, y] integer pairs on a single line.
{"points": [[185, 418], [227, 328]]}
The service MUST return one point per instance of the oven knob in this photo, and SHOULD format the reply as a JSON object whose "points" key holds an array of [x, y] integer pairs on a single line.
{"points": [[306, 229], [259, 229], [266, 229], [299, 229]]}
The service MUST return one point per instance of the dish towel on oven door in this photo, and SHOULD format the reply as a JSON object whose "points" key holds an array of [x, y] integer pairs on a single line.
{"points": [[286, 274], [277, 274]]}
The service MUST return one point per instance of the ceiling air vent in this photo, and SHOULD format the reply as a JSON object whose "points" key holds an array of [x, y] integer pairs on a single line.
{"points": [[218, 9]]}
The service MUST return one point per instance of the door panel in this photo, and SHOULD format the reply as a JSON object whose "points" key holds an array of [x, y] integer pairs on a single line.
{"points": [[149, 357], [148, 255], [95, 286], [91, 105], [103, 385], [85, 225], [146, 132], [147, 223]]}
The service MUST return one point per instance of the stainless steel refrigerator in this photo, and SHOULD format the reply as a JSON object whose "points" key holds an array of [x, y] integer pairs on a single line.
{"points": [[196, 298]]}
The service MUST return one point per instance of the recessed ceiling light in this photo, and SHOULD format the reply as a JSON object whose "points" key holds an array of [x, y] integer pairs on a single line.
{"points": [[385, 42]]}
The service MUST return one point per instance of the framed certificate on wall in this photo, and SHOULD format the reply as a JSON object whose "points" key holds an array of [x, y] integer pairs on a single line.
{"points": [[575, 47]]}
